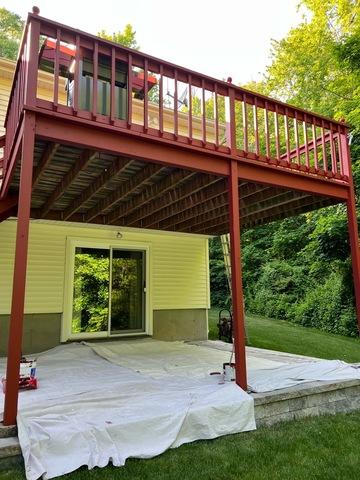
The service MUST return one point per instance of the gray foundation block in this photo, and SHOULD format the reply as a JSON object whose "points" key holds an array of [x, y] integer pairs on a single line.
{"points": [[41, 332], [190, 324], [307, 400]]}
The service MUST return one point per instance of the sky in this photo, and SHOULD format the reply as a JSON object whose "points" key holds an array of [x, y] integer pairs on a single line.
{"points": [[222, 38]]}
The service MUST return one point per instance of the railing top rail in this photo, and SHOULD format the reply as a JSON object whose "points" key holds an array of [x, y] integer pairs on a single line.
{"points": [[250, 96]]}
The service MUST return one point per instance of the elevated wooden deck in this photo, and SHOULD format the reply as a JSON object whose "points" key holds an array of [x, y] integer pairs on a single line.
{"points": [[156, 153]]}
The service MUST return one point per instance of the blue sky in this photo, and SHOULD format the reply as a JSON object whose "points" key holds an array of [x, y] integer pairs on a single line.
{"points": [[218, 38]]}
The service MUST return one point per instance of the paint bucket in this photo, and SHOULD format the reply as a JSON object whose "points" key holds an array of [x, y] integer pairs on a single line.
{"points": [[229, 371], [218, 377], [27, 375]]}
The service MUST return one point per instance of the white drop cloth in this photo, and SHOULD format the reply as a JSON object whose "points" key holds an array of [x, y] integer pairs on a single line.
{"points": [[157, 359], [109, 401], [88, 411], [285, 376], [177, 358]]}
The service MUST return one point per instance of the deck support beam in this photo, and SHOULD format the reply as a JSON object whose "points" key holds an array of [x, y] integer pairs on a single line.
{"points": [[19, 279], [236, 278]]}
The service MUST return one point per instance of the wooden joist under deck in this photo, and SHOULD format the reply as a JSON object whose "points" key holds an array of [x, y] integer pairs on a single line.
{"points": [[84, 185]]}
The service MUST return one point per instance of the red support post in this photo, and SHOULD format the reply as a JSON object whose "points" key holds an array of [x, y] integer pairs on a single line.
{"points": [[355, 251], [236, 280], [19, 279], [352, 224]]}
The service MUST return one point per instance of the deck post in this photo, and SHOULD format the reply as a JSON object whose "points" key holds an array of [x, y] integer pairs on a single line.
{"points": [[355, 250], [352, 224], [19, 279], [236, 278]]}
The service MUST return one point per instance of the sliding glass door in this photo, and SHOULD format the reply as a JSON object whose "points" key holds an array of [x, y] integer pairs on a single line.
{"points": [[108, 291]]}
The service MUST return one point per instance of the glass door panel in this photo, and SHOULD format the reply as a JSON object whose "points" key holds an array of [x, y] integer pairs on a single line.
{"points": [[91, 290], [127, 291]]}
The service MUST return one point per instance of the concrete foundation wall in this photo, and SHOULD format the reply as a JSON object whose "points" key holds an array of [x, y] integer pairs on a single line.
{"points": [[189, 324], [41, 332]]}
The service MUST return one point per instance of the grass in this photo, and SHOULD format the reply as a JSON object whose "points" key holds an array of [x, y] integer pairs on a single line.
{"points": [[288, 337], [312, 448]]}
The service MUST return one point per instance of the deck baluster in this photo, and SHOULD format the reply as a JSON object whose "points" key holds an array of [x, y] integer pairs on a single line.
{"points": [[256, 127], [76, 75], [297, 143], [176, 116], [112, 86], [307, 157], [161, 99], [341, 159], [267, 134], [287, 136], [277, 133], [216, 115], [56, 69], [332, 152], [245, 124], [146, 97], [314, 139], [323, 146], [95, 80], [190, 109], [130, 83], [203, 112]]}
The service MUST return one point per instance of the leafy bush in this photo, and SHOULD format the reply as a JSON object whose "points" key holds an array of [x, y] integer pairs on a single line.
{"points": [[220, 295], [323, 307]]}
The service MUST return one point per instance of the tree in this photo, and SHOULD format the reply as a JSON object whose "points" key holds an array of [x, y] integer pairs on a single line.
{"points": [[11, 26], [310, 67], [126, 37]]}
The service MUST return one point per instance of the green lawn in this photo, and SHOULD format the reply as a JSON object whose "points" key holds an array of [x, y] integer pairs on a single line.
{"points": [[288, 337], [314, 448]]}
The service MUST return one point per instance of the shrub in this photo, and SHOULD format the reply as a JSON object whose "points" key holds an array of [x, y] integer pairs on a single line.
{"points": [[323, 307]]}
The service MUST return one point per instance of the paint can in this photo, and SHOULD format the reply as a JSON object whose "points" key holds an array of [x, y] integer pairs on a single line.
{"points": [[229, 371], [218, 377]]}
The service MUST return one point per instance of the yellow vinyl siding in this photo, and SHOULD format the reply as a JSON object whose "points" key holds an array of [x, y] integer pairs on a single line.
{"points": [[5, 86], [178, 272]]}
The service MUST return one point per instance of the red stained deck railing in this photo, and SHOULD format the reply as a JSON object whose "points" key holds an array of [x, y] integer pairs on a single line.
{"points": [[136, 92]]}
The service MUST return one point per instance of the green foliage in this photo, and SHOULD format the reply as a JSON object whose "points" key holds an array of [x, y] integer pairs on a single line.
{"points": [[220, 295], [329, 239], [126, 37], [323, 307], [309, 66], [304, 273], [348, 51], [11, 26], [91, 293]]}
